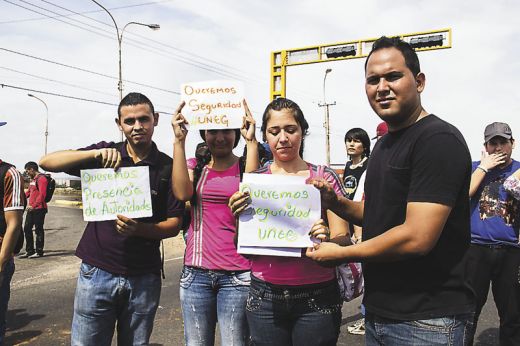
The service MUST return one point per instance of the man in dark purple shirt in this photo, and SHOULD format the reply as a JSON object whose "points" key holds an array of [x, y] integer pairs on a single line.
{"points": [[119, 277]]}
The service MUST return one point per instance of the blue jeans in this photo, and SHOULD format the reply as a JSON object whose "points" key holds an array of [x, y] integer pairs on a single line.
{"points": [[209, 295], [294, 315], [451, 330], [5, 294], [103, 298]]}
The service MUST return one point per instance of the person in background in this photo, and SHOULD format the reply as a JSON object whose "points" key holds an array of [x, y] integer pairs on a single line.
{"points": [[36, 211], [215, 279], [494, 255], [357, 144], [12, 205]]}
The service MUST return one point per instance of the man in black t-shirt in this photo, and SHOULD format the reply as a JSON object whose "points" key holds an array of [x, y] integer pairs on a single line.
{"points": [[415, 216]]}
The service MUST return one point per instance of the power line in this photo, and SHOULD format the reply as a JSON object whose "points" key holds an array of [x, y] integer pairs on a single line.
{"points": [[85, 70], [65, 96], [94, 11], [55, 81]]}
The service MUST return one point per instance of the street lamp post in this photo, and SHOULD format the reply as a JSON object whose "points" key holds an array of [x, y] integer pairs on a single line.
{"points": [[46, 119], [120, 40], [326, 124]]}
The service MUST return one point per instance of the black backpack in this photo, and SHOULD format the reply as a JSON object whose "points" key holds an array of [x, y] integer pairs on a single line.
{"points": [[51, 186]]}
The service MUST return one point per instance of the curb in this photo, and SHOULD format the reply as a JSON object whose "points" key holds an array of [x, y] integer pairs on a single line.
{"points": [[64, 202]]}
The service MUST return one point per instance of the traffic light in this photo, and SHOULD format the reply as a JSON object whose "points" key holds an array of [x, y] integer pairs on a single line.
{"points": [[426, 41], [338, 52]]}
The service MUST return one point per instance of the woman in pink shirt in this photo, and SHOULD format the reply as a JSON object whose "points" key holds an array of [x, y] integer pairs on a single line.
{"points": [[215, 279], [293, 301]]}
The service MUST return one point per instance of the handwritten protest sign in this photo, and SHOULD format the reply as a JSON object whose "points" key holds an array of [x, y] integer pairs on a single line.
{"points": [[106, 193], [279, 215], [213, 104]]}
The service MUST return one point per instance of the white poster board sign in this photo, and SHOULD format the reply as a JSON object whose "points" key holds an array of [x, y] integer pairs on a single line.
{"points": [[213, 104], [280, 215], [107, 193]]}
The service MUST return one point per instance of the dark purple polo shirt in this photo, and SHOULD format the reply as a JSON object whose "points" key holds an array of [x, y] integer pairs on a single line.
{"points": [[103, 247]]}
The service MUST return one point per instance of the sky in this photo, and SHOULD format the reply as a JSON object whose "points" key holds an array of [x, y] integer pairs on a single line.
{"points": [[66, 54]]}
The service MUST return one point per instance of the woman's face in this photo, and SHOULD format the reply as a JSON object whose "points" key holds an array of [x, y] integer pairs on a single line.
{"points": [[284, 135], [220, 142], [354, 147]]}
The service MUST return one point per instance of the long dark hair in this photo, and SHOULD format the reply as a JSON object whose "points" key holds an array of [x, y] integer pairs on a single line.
{"points": [[204, 158], [283, 103]]}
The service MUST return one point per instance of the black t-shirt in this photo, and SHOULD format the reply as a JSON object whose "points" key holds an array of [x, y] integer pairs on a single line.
{"points": [[426, 162], [351, 177]]}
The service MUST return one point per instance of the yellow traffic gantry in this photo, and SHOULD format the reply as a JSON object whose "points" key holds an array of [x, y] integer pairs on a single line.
{"points": [[280, 60]]}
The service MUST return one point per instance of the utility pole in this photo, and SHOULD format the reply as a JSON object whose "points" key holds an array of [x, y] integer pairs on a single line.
{"points": [[326, 124]]}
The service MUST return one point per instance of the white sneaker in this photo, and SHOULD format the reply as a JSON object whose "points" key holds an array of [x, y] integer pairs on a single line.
{"points": [[35, 255], [358, 328]]}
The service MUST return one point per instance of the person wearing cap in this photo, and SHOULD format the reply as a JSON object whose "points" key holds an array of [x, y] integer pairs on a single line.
{"points": [[12, 205], [119, 282], [416, 228], [494, 255], [381, 130]]}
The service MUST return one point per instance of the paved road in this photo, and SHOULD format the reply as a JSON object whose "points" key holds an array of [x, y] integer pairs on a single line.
{"points": [[41, 305]]}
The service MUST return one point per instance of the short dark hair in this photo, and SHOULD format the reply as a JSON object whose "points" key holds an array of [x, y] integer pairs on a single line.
{"points": [[133, 99], [361, 135], [410, 56], [283, 103], [31, 164]]}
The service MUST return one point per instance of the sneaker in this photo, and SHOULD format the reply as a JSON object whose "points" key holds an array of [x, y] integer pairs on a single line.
{"points": [[36, 255], [357, 328], [25, 255]]}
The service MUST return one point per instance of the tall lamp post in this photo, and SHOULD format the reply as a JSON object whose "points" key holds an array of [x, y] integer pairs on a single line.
{"points": [[326, 124], [120, 40], [46, 119]]}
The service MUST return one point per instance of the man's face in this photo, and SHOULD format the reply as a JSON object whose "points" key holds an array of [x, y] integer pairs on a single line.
{"points": [[392, 90], [498, 145], [137, 123], [30, 172]]}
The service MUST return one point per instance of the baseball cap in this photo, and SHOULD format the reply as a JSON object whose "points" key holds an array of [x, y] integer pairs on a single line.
{"points": [[2, 123], [497, 129], [381, 129]]}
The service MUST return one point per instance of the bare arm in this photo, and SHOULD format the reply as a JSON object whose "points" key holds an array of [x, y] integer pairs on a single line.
{"points": [[182, 185], [64, 160], [248, 132], [487, 162], [341, 206], [13, 219], [412, 238], [164, 229]]}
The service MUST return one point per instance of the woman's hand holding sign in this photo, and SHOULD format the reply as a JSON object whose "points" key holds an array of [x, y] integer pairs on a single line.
{"points": [[238, 202], [320, 231]]}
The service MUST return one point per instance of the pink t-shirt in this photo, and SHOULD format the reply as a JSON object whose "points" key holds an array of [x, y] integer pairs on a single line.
{"points": [[291, 271], [210, 237]]}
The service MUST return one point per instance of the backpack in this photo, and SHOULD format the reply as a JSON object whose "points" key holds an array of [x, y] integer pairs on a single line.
{"points": [[51, 186]]}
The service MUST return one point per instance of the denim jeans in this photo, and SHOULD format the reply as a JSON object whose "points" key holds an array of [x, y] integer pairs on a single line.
{"points": [[5, 293], [207, 296], [294, 315], [102, 299], [443, 331]]}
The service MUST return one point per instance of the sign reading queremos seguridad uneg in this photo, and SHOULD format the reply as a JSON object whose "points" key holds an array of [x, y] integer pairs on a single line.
{"points": [[106, 193], [213, 104], [280, 215]]}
